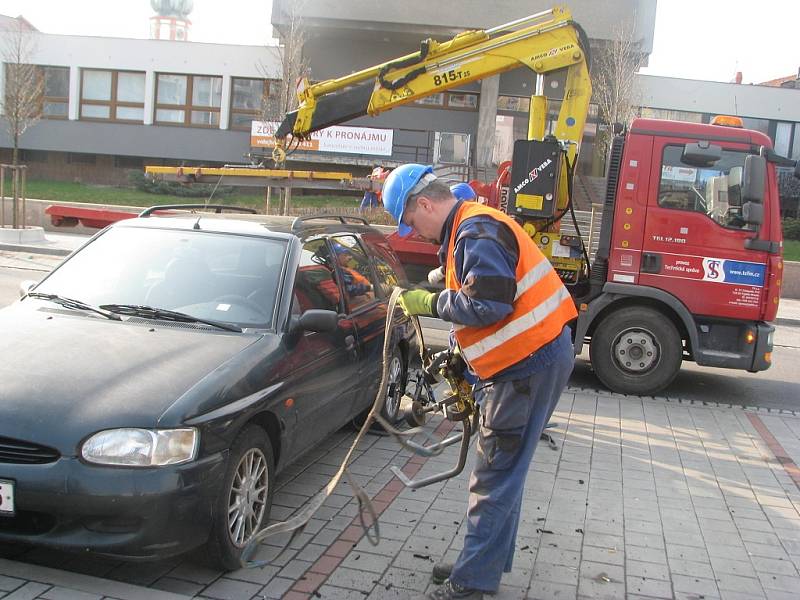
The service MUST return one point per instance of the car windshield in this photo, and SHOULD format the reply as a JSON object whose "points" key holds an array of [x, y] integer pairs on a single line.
{"points": [[214, 276]]}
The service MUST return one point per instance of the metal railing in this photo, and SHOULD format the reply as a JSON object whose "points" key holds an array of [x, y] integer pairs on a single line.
{"points": [[590, 223]]}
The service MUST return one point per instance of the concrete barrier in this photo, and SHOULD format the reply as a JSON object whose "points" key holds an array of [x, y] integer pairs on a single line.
{"points": [[35, 216], [30, 234]]}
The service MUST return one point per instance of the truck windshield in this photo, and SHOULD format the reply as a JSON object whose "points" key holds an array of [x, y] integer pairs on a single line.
{"points": [[714, 191], [213, 276]]}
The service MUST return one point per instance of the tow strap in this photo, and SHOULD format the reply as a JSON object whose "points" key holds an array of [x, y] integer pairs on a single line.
{"points": [[297, 523]]}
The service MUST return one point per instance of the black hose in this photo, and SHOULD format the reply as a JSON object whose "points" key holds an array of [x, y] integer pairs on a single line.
{"points": [[400, 64], [583, 42]]}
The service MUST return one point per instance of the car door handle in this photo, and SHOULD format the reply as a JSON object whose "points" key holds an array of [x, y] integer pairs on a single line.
{"points": [[349, 342], [651, 263]]}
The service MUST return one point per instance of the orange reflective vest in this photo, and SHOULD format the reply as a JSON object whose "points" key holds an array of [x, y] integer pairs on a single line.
{"points": [[542, 305]]}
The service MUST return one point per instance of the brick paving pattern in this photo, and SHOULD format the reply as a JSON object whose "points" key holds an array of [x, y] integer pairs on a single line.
{"points": [[644, 498]]}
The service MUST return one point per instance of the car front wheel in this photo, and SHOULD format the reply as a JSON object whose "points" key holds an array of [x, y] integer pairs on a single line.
{"points": [[243, 506], [395, 388]]}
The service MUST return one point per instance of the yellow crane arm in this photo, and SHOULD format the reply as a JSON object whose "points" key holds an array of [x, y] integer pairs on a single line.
{"points": [[544, 42]]}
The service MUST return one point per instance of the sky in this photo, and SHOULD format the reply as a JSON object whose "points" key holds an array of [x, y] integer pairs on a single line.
{"points": [[712, 39], [694, 39]]}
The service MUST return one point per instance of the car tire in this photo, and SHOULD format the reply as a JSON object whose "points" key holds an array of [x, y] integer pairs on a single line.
{"points": [[637, 350], [243, 505], [396, 387]]}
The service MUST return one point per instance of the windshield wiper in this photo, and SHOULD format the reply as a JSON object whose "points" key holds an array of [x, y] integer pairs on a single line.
{"points": [[151, 312], [73, 304]]}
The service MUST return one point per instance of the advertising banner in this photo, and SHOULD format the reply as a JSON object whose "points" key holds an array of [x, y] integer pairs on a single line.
{"points": [[348, 140]]}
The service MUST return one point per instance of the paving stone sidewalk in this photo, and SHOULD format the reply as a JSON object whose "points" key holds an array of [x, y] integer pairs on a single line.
{"points": [[644, 498]]}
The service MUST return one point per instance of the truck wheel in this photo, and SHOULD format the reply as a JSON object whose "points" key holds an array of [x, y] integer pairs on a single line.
{"points": [[636, 351], [243, 506]]}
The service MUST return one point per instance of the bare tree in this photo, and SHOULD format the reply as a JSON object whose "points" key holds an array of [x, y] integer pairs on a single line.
{"points": [[292, 67], [24, 82], [614, 84]]}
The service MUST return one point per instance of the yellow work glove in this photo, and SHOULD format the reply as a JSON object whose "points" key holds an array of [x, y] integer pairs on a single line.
{"points": [[418, 302]]}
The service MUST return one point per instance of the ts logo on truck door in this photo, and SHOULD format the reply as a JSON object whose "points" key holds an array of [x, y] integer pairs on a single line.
{"points": [[712, 268]]}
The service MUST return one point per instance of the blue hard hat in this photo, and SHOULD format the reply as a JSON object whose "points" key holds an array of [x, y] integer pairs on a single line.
{"points": [[401, 183], [463, 191]]}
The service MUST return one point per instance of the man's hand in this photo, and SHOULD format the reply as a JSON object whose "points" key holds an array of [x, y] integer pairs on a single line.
{"points": [[418, 302]]}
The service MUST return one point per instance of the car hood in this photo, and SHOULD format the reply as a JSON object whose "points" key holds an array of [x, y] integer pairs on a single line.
{"points": [[66, 375]]}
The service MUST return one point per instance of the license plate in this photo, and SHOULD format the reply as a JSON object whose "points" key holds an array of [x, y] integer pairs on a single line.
{"points": [[6, 498]]}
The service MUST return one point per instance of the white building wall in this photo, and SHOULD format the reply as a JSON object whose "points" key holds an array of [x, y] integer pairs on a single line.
{"points": [[163, 56], [152, 56], [756, 101]]}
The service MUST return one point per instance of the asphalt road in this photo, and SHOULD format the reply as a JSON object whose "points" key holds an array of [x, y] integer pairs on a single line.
{"points": [[778, 387]]}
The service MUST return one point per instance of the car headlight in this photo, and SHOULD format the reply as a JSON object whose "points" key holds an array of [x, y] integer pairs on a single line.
{"points": [[141, 447]]}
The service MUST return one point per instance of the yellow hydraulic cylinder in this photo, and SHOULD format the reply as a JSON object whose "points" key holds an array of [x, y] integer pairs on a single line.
{"points": [[537, 118]]}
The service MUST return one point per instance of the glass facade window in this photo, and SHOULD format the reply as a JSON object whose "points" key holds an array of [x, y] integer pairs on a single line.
{"points": [[172, 89], [514, 103], [55, 100], [453, 100], [671, 115], [251, 100], [761, 125], [783, 138], [112, 95], [796, 144], [190, 100], [451, 148], [130, 87], [468, 101], [432, 100]]}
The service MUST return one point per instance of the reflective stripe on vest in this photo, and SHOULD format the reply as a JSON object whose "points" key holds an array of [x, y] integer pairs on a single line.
{"points": [[542, 305]]}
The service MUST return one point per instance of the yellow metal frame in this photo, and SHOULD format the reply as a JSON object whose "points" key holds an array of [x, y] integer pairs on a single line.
{"points": [[244, 172]]}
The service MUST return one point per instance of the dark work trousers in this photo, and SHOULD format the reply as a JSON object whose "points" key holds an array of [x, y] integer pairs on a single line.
{"points": [[513, 416]]}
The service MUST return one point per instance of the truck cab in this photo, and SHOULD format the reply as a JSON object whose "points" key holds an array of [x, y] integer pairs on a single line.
{"points": [[689, 264]]}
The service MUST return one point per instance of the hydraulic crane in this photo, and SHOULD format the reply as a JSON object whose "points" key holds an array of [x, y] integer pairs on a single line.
{"points": [[546, 42]]}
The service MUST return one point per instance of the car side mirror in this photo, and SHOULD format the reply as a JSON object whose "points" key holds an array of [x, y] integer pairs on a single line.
{"points": [[323, 321], [26, 286], [701, 154], [753, 178]]}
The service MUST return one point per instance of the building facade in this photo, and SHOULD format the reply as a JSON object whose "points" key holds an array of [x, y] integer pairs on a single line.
{"points": [[112, 105]]}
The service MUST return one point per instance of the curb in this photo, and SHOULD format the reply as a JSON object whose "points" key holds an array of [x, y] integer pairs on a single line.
{"points": [[35, 249], [787, 322]]}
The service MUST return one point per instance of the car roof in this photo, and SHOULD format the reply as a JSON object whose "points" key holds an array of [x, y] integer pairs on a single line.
{"points": [[271, 226]]}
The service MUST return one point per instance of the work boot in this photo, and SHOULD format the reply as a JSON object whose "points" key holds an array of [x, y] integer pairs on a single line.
{"points": [[452, 591], [441, 571]]}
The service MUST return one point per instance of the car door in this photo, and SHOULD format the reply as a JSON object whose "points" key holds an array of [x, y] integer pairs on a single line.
{"points": [[322, 366], [366, 310]]}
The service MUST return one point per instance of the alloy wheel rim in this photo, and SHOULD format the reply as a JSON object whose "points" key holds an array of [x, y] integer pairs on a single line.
{"points": [[248, 497], [635, 350], [392, 403]]}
